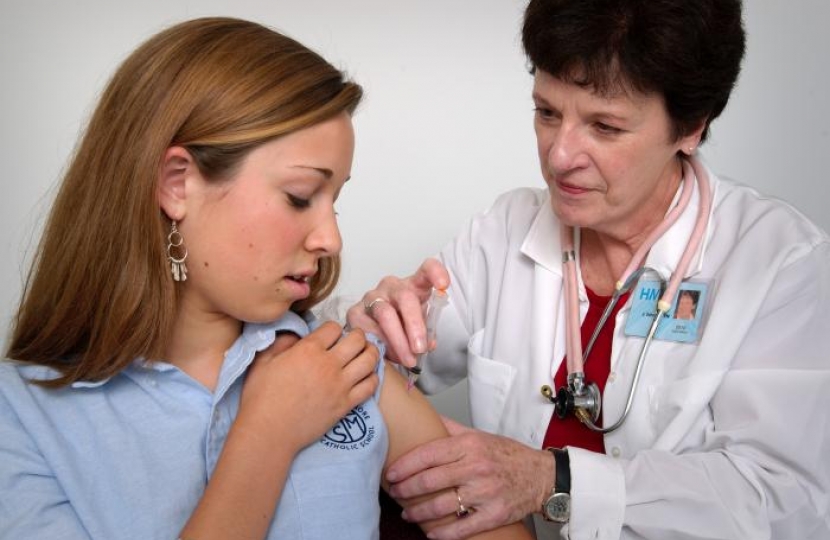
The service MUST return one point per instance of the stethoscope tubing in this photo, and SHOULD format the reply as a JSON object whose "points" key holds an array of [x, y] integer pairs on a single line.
{"points": [[692, 169]]}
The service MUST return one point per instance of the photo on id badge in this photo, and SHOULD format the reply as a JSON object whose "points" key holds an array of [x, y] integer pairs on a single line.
{"points": [[683, 323]]}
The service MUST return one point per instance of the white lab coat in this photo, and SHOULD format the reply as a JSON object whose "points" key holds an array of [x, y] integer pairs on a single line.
{"points": [[728, 438]]}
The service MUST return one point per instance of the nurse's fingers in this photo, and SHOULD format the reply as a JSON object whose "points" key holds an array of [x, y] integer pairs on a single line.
{"points": [[431, 273], [425, 469], [376, 313], [411, 304], [455, 428], [410, 309], [388, 314], [394, 311]]}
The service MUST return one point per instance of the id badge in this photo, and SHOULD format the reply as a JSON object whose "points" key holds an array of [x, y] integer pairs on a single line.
{"points": [[684, 321]]}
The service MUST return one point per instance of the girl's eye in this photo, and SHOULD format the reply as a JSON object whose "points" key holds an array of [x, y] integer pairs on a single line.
{"points": [[298, 202]]}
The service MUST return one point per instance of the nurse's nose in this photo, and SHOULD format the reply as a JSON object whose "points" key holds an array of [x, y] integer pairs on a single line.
{"points": [[566, 151], [325, 237]]}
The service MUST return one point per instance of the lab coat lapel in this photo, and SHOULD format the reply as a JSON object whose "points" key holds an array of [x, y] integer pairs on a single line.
{"points": [[547, 345]]}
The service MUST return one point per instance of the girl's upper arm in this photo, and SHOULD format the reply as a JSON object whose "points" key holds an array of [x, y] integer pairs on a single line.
{"points": [[410, 418]]}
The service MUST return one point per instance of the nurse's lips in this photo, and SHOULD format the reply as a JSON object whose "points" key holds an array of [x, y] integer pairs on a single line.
{"points": [[570, 188]]}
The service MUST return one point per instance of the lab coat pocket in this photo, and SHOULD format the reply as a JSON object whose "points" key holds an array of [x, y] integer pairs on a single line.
{"points": [[489, 383]]}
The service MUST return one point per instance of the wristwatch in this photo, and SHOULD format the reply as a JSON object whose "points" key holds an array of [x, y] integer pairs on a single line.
{"points": [[557, 507]]}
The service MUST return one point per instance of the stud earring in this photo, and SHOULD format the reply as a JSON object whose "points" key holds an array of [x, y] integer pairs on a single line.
{"points": [[175, 242]]}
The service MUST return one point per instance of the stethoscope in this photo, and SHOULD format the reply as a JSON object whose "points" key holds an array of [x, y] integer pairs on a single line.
{"points": [[580, 397]]}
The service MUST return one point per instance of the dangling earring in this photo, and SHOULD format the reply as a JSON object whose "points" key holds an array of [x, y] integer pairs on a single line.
{"points": [[175, 241]]}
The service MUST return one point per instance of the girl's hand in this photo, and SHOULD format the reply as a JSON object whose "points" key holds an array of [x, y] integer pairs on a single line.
{"points": [[298, 388]]}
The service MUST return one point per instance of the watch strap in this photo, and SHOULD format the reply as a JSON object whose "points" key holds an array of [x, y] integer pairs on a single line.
{"points": [[557, 507], [563, 470]]}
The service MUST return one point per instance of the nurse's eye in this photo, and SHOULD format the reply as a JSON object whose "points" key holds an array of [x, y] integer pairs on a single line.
{"points": [[606, 129], [543, 113], [298, 202]]}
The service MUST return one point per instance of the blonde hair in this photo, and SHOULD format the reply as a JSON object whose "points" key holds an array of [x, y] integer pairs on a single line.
{"points": [[99, 293]]}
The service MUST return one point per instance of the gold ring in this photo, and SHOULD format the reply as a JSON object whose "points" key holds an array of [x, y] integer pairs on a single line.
{"points": [[368, 307], [462, 511]]}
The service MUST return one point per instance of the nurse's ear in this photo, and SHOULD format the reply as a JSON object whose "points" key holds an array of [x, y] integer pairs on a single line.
{"points": [[176, 171], [689, 143]]}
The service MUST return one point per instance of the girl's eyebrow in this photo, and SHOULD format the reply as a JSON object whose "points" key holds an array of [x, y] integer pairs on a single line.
{"points": [[327, 173]]}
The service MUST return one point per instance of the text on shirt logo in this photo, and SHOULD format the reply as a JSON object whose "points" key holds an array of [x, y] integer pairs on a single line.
{"points": [[351, 432]]}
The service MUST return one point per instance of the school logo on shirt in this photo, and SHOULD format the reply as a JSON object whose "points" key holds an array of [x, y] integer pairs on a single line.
{"points": [[352, 432]]}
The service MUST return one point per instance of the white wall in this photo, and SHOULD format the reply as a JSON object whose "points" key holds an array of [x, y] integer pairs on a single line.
{"points": [[446, 124]]}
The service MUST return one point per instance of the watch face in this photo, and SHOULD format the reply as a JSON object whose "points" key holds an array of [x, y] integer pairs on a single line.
{"points": [[558, 507]]}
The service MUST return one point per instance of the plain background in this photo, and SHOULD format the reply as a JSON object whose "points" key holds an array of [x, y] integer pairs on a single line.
{"points": [[446, 124]]}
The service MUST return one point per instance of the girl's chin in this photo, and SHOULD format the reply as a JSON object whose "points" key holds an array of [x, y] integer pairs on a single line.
{"points": [[264, 316]]}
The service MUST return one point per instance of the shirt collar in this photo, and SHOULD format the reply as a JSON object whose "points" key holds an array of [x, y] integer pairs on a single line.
{"points": [[255, 337], [542, 243]]}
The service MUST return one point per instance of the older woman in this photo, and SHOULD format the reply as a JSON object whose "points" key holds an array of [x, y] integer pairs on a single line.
{"points": [[720, 440]]}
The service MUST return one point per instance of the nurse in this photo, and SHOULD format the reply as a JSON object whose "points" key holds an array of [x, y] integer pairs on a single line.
{"points": [[722, 439]]}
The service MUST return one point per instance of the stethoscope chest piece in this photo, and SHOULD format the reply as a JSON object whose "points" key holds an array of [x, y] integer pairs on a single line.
{"points": [[579, 398]]}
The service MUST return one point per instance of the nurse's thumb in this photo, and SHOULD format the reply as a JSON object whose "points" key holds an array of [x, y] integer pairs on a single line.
{"points": [[454, 427]]}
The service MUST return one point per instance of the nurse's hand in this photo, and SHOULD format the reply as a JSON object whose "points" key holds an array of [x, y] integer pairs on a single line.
{"points": [[501, 479], [394, 311]]}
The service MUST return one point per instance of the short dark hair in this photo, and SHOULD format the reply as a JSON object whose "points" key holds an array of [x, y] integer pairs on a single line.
{"points": [[688, 51]]}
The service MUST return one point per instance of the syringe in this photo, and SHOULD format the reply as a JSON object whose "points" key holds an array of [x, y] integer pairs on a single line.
{"points": [[437, 301]]}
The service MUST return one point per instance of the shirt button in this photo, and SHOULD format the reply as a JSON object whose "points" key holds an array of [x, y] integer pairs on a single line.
{"points": [[616, 451], [612, 377]]}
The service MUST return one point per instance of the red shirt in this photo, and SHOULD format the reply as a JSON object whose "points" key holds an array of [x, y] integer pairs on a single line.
{"points": [[570, 431]]}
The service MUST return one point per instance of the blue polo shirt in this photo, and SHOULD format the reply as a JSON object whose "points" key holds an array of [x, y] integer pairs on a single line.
{"points": [[130, 457]]}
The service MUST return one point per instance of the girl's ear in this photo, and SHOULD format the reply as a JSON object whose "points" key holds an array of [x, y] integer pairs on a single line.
{"points": [[177, 165]]}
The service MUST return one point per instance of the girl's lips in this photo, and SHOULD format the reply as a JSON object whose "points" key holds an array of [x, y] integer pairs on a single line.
{"points": [[299, 288]]}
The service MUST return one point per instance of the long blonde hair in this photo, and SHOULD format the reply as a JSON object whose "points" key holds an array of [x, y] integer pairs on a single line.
{"points": [[99, 293]]}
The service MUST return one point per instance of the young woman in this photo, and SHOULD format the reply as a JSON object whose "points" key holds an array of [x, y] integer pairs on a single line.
{"points": [[165, 377]]}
